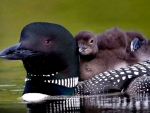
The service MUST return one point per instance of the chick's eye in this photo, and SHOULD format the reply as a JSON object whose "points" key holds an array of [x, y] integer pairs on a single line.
{"points": [[46, 42], [91, 41]]}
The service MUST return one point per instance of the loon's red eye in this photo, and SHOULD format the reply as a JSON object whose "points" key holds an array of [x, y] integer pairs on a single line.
{"points": [[46, 42]]}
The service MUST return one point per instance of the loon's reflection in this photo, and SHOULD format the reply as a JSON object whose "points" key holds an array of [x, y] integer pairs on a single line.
{"points": [[93, 104]]}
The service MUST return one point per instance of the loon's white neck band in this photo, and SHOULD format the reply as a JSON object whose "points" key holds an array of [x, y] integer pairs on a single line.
{"points": [[66, 82]]}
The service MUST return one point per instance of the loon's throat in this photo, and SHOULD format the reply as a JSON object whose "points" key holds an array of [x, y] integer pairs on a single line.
{"points": [[44, 64], [52, 79]]}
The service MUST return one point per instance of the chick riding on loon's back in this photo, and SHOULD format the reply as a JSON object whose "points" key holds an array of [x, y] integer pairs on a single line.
{"points": [[51, 68], [112, 49]]}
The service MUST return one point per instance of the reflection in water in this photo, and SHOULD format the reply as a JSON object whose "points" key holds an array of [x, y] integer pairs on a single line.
{"points": [[56, 106], [7, 85], [93, 104]]}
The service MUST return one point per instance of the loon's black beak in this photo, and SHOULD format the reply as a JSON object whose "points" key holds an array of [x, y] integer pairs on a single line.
{"points": [[15, 52]]}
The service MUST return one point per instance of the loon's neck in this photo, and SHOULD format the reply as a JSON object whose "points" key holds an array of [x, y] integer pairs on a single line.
{"points": [[52, 65], [51, 74]]}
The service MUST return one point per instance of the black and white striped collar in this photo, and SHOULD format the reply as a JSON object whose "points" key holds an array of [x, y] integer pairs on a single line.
{"points": [[66, 82]]}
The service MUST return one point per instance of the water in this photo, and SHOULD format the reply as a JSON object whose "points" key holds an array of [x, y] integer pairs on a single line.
{"points": [[12, 85], [82, 104], [94, 104]]}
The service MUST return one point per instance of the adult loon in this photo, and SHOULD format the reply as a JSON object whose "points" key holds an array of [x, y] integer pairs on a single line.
{"points": [[50, 56]]}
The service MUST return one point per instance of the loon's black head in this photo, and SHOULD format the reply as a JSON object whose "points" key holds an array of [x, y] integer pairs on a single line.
{"points": [[49, 54]]}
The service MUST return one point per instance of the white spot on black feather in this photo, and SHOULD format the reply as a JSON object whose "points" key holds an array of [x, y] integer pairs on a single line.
{"points": [[107, 74], [129, 76], [52, 81], [124, 77], [103, 77], [68, 82], [128, 71], [122, 73], [136, 73], [144, 71], [65, 82], [100, 74], [116, 75], [56, 81], [112, 78], [59, 83]]}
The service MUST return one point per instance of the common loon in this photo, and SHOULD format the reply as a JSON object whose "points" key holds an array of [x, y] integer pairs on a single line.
{"points": [[50, 56]]}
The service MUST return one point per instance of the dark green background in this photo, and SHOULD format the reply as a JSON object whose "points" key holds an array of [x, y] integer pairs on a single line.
{"points": [[75, 15]]}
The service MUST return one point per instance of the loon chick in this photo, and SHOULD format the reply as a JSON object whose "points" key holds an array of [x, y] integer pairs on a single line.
{"points": [[112, 49], [50, 56]]}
